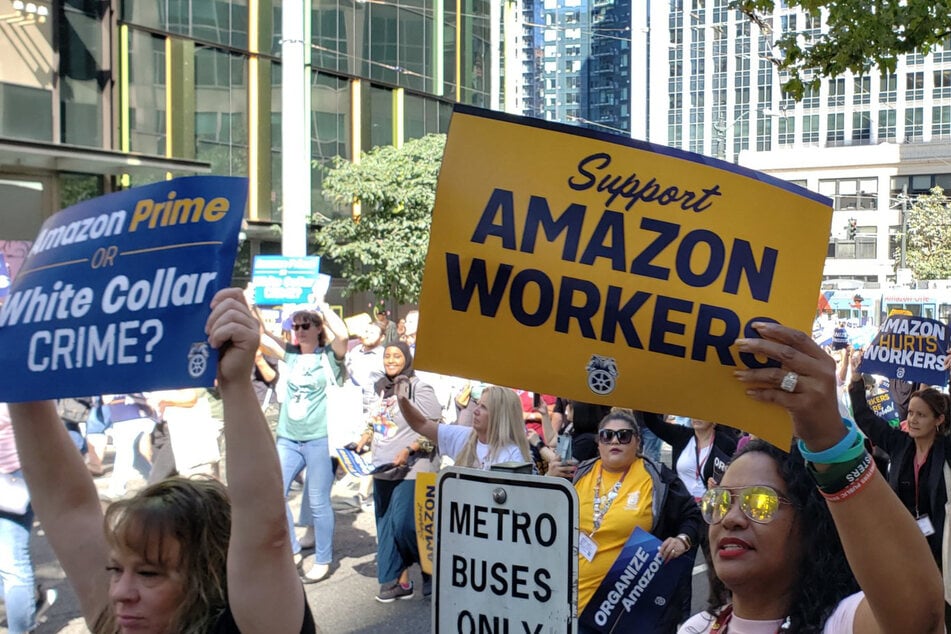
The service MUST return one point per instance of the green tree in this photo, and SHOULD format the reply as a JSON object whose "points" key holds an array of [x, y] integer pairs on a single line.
{"points": [[861, 34], [928, 236], [383, 252]]}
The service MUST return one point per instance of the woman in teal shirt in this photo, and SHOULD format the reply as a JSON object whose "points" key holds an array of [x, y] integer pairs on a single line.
{"points": [[312, 364]]}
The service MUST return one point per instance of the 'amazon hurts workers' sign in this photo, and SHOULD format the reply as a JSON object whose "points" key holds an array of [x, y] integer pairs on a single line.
{"points": [[114, 294], [612, 271]]}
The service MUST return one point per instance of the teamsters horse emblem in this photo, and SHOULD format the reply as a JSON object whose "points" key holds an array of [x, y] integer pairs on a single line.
{"points": [[198, 359], [602, 372]]}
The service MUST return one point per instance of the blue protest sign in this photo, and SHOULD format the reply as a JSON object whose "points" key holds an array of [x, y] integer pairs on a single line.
{"points": [[114, 294], [634, 594], [279, 279], [908, 348]]}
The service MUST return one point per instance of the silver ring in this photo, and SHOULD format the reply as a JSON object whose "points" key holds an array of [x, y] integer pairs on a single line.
{"points": [[788, 384]]}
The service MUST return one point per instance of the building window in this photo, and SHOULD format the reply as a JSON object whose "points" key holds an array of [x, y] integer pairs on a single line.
{"points": [[851, 193], [837, 92], [888, 88], [810, 97], [887, 128], [764, 134], [861, 126], [914, 124], [941, 121], [942, 83], [787, 130], [914, 86], [810, 129], [862, 90], [835, 127]]}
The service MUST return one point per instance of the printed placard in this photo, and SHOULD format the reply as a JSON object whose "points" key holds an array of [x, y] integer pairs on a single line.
{"points": [[635, 592], [908, 348], [425, 506], [612, 271], [114, 294], [279, 279]]}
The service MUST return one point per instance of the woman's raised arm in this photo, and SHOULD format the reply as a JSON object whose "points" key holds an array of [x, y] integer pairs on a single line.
{"points": [[885, 548], [65, 501], [264, 590], [416, 419]]}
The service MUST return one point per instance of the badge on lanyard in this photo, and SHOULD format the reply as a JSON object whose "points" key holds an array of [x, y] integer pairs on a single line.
{"points": [[924, 523], [587, 546]]}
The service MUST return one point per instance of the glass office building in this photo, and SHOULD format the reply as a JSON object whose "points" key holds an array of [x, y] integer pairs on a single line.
{"points": [[96, 96]]}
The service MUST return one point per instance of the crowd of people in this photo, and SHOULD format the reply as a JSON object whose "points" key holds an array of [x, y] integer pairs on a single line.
{"points": [[787, 531]]}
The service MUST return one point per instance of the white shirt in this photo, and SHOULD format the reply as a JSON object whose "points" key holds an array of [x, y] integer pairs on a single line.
{"points": [[452, 438], [839, 622]]}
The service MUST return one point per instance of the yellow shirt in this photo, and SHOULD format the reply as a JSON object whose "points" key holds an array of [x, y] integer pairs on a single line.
{"points": [[630, 509]]}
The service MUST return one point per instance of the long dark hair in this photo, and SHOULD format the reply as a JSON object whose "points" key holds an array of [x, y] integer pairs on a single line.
{"points": [[823, 576]]}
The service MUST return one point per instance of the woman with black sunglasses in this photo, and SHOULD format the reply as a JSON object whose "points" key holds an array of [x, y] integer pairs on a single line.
{"points": [[811, 541], [621, 490], [314, 363]]}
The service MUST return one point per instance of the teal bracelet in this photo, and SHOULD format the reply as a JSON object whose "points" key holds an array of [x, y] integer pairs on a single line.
{"points": [[846, 449]]}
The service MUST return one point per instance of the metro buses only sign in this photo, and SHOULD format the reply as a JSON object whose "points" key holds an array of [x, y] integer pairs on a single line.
{"points": [[506, 554]]}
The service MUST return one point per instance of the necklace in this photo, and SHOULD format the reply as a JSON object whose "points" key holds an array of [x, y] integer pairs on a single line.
{"points": [[603, 503], [726, 615]]}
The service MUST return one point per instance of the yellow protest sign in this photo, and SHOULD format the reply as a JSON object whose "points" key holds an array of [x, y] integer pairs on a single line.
{"points": [[612, 271], [425, 513]]}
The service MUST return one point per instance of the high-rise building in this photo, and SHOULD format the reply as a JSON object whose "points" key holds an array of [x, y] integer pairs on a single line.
{"points": [[95, 96], [575, 57], [860, 139]]}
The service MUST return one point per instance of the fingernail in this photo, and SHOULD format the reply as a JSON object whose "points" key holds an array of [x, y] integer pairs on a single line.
{"points": [[741, 343], [740, 374]]}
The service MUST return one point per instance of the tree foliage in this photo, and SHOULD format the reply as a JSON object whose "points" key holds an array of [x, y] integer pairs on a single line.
{"points": [[861, 34], [383, 252], [928, 236]]}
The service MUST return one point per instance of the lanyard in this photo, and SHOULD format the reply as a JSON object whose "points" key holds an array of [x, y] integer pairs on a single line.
{"points": [[701, 465], [601, 505], [917, 468]]}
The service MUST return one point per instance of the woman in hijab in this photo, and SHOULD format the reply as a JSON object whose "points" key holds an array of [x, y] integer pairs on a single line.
{"points": [[399, 453]]}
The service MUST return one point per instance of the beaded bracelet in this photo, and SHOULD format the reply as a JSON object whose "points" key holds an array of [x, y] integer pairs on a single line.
{"points": [[847, 449], [839, 475]]}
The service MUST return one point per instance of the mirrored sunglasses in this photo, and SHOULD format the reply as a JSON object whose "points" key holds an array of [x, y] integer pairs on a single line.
{"points": [[303, 326], [623, 436], [759, 503]]}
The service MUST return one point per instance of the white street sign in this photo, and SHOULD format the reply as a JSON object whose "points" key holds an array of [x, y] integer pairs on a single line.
{"points": [[506, 554]]}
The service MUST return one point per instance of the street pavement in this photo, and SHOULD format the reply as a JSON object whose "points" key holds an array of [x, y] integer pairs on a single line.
{"points": [[342, 604]]}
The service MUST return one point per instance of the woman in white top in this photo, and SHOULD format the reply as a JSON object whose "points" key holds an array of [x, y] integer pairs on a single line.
{"points": [[497, 434]]}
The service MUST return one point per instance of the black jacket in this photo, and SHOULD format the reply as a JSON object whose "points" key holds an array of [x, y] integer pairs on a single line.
{"points": [[678, 437]]}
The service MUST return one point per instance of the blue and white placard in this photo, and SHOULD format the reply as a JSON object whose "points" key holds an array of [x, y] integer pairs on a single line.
{"points": [[114, 294]]}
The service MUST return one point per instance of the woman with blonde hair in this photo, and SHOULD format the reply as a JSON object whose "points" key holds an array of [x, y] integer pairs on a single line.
{"points": [[497, 434]]}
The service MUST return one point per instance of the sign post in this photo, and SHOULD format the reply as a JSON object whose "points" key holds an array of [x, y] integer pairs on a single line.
{"points": [[506, 553]]}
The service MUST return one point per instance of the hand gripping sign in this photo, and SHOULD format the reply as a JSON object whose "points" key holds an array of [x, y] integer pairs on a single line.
{"points": [[612, 271], [115, 291]]}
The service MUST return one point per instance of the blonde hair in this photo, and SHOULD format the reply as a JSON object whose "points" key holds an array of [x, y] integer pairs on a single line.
{"points": [[506, 427], [195, 514]]}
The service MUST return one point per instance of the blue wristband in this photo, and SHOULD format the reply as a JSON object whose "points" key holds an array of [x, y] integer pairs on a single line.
{"points": [[840, 452]]}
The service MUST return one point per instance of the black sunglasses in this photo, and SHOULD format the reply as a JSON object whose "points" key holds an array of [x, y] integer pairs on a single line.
{"points": [[304, 326], [623, 436]]}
